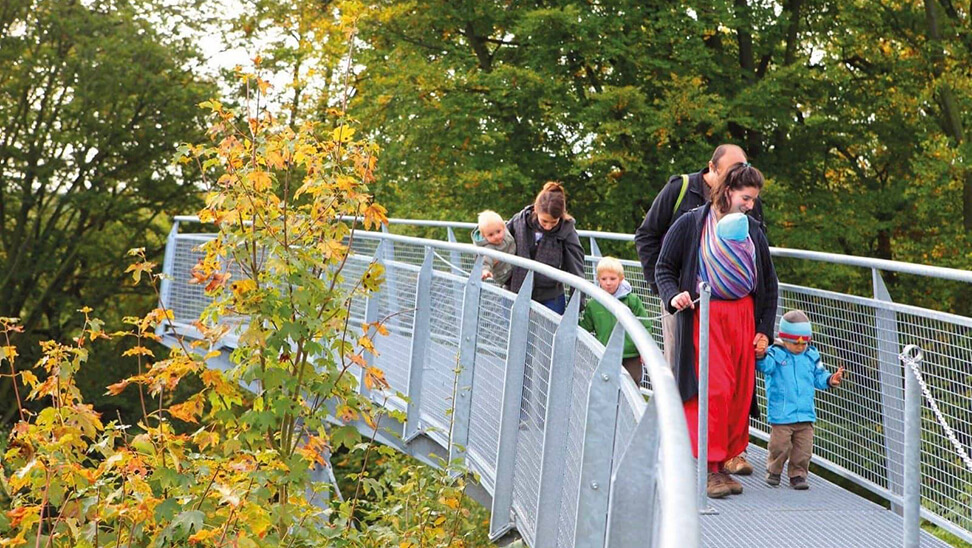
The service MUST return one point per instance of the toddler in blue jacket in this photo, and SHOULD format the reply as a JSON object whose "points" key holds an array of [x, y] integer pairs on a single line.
{"points": [[792, 371]]}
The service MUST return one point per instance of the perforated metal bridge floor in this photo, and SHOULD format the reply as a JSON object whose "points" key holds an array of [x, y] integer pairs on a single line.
{"points": [[777, 517]]}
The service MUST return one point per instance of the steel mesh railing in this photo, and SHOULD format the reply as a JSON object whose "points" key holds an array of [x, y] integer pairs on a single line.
{"points": [[589, 353], [396, 306], [495, 309], [860, 425], [526, 479]]}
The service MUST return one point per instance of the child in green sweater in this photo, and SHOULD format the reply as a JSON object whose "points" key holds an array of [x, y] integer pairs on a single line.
{"points": [[599, 321]]}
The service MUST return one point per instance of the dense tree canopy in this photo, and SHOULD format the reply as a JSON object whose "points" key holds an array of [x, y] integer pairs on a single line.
{"points": [[856, 111], [93, 103]]}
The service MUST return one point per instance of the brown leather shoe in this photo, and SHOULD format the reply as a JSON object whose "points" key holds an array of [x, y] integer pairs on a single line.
{"points": [[735, 487], [716, 486], [739, 466]]}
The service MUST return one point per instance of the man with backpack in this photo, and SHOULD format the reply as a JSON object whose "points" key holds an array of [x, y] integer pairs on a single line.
{"points": [[682, 194]]}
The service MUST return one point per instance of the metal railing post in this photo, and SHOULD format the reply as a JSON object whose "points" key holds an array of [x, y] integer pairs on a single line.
{"points": [[703, 428], [500, 520], [632, 510], [371, 318], [419, 357], [912, 448], [892, 389], [165, 287], [556, 420], [600, 425], [468, 333]]}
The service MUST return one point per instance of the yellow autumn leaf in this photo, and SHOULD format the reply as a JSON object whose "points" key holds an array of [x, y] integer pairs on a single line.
{"points": [[8, 352], [29, 378], [138, 350], [187, 410], [343, 134], [451, 502], [240, 287], [260, 180], [375, 215], [204, 535]]}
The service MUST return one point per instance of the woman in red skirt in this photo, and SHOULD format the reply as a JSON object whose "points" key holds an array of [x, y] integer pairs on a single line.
{"points": [[718, 244]]}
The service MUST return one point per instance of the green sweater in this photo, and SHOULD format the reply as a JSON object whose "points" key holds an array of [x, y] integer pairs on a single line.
{"points": [[599, 321]]}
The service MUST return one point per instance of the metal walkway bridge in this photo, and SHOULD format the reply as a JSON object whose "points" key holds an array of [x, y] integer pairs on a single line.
{"points": [[571, 452]]}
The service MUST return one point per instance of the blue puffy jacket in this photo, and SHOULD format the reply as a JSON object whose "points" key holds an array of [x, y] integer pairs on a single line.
{"points": [[790, 382]]}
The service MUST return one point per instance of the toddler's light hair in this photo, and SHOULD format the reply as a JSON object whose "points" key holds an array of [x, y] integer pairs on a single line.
{"points": [[611, 265], [487, 218]]}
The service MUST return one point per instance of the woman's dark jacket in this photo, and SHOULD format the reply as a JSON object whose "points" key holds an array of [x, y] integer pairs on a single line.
{"points": [[677, 270], [559, 248]]}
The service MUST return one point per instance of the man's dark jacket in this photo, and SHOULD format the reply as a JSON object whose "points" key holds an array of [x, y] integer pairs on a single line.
{"points": [[649, 236], [559, 248], [678, 270]]}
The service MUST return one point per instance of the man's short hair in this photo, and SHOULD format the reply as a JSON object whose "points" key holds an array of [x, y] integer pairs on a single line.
{"points": [[487, 218], [611, 265], [721, 151]]}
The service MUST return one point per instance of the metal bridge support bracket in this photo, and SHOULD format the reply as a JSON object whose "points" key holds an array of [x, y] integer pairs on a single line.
{"points": [[595, 250], [501, 517], [454, 255], [462, 399], [386, 254], [633, 486], [165, 287], [421, 337], [600, 425], [556, 420], [371, 317], [892, 388]]}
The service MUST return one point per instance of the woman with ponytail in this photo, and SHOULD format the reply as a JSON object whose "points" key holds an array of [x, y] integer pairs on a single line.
{"points": [[544, 232], [718, 244]]}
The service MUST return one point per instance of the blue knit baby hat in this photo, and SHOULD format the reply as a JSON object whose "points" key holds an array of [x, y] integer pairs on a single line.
{"points": [[734, 226], [796, 327]]}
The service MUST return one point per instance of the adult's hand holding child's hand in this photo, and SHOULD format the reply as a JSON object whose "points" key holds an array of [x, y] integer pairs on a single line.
{"points": [[760, 341]]}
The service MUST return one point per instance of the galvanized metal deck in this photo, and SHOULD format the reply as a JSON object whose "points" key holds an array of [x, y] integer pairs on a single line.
{"points": [[826, 515]]}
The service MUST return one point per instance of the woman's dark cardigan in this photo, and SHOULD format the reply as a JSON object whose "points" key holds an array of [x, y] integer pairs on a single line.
{"points": [[677, 270], [559, 248]]}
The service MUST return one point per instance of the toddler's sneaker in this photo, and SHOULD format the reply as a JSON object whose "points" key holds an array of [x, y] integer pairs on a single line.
{"points": [[799, 483]]}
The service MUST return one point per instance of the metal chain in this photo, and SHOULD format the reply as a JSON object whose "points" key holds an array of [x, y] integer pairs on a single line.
{"points": [[912, 361]]}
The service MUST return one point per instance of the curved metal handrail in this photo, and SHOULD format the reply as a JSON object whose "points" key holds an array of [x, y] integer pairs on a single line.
{"points": [[678, 508], [817, 256]]}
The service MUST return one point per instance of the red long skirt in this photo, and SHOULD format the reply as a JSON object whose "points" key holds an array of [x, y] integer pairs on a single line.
{"points": [[732, 376]]}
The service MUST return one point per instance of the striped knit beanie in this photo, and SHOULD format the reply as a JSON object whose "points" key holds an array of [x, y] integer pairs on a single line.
{"points": [[796, 327]]}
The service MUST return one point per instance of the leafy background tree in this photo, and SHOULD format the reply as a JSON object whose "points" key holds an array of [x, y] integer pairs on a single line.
{"points": [[854, 110], [93, 102]]}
